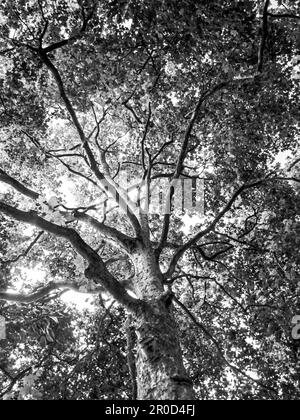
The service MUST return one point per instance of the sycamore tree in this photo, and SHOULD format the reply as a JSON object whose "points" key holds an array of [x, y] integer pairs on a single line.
{"points": [[106, 108]]}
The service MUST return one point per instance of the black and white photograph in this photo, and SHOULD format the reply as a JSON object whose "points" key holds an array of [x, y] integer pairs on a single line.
{"points": [[149, 203]]}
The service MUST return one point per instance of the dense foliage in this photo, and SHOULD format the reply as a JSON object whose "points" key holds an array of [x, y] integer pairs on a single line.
{"points": [[127, 86]]}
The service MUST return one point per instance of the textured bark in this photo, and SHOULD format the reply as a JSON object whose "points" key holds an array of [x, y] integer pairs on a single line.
{"points": [[160, 370]]}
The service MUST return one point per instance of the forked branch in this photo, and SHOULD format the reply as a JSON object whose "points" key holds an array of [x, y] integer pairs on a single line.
{"points": [[96, 271], [44, 292]]}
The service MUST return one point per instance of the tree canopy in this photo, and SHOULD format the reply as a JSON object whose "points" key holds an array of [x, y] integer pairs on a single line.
{"points": [[95, 92]]}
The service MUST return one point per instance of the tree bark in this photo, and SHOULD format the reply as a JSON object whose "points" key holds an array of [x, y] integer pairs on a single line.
{"points": [[161, 374]]}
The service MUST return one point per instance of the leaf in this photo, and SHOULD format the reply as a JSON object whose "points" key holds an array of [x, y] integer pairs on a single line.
{"points": [[53, 202]]}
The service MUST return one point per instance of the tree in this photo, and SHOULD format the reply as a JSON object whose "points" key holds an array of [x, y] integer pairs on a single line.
{"points": [[159, 90]]}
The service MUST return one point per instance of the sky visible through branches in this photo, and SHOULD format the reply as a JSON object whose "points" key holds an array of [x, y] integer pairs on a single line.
{"points": [[149, 195]]}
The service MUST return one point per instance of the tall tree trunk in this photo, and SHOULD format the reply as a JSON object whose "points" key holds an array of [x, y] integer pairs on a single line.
{"points": [[160, 370]]}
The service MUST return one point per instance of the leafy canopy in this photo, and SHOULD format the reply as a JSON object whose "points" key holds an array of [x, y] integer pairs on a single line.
{"points": [[154, 89]]}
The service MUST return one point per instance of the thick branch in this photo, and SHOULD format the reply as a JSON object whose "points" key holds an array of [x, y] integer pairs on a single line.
{"points": [[96, 271], [264, 37], [294, 164], [178, 255], [130, 335], [284, 16], [180, 162], [21, 188], [42, 293], [116, 188], [193, 241], [93, 163], [147, 126], [110, 234], [80, 33], [215, 255]]}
